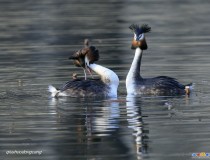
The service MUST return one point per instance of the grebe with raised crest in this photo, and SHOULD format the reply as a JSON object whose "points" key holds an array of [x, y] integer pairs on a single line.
{"points": [[105, 86], [161, 85]]}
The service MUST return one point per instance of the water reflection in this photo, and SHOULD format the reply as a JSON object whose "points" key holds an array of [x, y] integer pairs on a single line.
{"points": [[90, 122], [105, 123], [99, 118], [136, 124]]}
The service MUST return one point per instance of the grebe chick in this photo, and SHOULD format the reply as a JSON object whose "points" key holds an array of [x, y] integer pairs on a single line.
{"points": [[106, 86], [79, 56], [136, 85], [90, 53]]}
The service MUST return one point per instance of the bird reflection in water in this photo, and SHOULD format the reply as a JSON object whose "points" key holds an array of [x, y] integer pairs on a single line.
{"points": [[90, 122], [135, 122]]}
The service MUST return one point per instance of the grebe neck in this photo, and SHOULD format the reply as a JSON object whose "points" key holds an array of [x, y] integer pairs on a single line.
{"points": [[134, 71], [133, 75], [109, 77]]}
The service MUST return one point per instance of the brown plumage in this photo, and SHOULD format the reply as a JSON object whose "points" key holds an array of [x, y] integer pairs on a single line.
{"points": [[141, 44], [138, 41], [79, 56], [89, 52]]}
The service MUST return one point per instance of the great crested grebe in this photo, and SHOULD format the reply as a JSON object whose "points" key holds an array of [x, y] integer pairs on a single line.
{"points": [[105, 86], [136, 85]]}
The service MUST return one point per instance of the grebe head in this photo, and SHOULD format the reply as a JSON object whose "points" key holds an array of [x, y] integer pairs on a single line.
{"points": [[139, 40], [87, 55], [92, 55]]}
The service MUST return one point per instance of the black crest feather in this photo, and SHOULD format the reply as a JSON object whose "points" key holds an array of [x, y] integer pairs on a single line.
{"points": [[139, 30]]}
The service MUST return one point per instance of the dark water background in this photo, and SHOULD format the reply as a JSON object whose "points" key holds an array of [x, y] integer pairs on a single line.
{"points": [[38, 36]]}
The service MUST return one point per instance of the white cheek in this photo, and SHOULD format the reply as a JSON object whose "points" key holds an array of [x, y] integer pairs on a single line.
{"points": [[142, 36], [86, 61], [135, 37]]}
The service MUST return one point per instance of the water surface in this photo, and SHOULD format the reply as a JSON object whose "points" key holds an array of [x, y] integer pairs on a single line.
{"points": [[37, 37]]}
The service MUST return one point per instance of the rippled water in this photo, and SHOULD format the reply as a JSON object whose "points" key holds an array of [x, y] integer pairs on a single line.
{"points": [[37, 37]]}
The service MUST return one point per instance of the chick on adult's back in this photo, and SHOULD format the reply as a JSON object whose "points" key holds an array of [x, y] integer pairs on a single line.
{"points": [[105, 86]]}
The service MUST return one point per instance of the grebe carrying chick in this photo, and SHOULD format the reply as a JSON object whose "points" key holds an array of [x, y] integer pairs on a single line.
{"points": [[161, 85], [106, 86]]}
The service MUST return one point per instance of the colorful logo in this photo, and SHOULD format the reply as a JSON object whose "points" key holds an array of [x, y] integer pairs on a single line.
{"points": [[201, 155]]}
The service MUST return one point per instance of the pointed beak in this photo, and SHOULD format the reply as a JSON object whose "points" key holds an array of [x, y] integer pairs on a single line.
{"points": [[89, 70], [142, 44], [87, 63]]}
